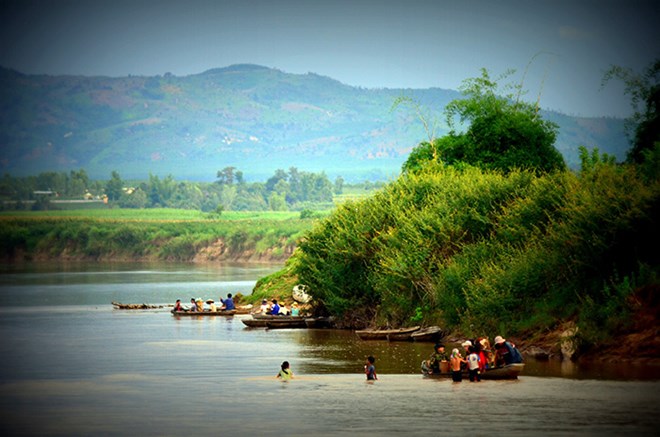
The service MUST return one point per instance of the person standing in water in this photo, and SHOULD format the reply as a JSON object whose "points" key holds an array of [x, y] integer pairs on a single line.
{"points": [[285, 373], [370, 369], [455, 361]]}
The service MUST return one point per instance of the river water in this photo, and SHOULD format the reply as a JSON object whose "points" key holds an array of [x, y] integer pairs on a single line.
{"points": [[73, 365]]}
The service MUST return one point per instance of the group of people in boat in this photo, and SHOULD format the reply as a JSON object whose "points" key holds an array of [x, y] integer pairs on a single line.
{"points": [[477, 357], [276, 309], [199, 305]]}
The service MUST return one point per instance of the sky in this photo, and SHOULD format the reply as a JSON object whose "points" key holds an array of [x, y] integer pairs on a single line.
{"points": [[559, 49]]}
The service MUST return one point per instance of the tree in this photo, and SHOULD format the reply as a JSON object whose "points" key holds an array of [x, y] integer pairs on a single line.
{"points": [[643, 127], [273, 180], [113, 188], [227, 175], [339, 185], [502, 132]]}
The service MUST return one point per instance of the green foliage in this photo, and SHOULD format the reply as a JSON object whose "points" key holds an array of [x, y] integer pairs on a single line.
{"points": [[137, 235], [113, 188], [503, 133], [643, 127], [484, 251], [589, 161]]}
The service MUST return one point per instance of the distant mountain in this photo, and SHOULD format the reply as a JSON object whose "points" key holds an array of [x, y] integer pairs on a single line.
{"points": [[254, 118]]}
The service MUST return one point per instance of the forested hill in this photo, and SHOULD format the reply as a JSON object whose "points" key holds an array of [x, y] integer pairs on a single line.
{"points": [[254, 118]]}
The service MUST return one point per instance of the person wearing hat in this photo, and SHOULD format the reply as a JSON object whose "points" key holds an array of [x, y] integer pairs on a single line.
{"points": [[439, 355], [200, 304], [295, 311], [212, 305], [505, 352], [264, 307]]}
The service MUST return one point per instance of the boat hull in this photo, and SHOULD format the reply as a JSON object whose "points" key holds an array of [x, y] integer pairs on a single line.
{"points": [[320, 322], [381, 334], [430, 334], [203, 313], [291, 323], [510, 371], [261, 320]]}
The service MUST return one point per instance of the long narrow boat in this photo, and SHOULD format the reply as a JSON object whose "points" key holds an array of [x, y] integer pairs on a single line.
{"points": [[431, 334], [136, 306], [509, 371], [261, 320], [320, 322], [381, 334], [225, 313], [286, 323]]}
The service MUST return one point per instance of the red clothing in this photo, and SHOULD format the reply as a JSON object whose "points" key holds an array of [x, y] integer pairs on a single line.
{"points": [[482, 361]]}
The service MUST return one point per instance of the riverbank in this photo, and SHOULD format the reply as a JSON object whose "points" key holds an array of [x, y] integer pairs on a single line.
{"points": [[44, 238]]}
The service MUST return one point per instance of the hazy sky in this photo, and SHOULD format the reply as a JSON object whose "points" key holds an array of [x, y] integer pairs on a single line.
{"points": [[369, 43]]}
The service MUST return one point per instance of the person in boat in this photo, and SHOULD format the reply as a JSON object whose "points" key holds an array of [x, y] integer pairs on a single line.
{"points": [[285, 372], [212, 306], [436, 357], [193, 305], [284, 311], [264, 307], [456, 361], [295, 311], [177, 306], [486, 351], [370, 369], [200, 304], [228, 303], [275, 308], [506, 352]]}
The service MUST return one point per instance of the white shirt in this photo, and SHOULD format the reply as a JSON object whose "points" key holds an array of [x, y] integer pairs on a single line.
{"points": [[473, 361]]}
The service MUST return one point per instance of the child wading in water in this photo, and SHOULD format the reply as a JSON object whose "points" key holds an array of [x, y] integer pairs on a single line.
{"points": [[473, 364], [285, 373], [370, 369], [455, 361]]}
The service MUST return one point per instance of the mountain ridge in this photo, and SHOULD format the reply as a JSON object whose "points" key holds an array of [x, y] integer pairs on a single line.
{"points": [[255, 118]]}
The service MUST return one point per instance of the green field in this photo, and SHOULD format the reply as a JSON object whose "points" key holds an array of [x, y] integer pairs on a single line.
{"points": [[155, 214]]}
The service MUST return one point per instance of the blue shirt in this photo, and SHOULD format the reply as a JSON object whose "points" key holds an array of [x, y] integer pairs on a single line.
{"points": [[371, 372], [275, 310], [229, 303]]}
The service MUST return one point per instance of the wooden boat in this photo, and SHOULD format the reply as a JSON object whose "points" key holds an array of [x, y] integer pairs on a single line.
{"points": [[136, 306], [286, 323], [431, 334], [254, 323], [400, 336], [225, 313], [509, 371], [381, 334], [261, 320], [320, 322]]}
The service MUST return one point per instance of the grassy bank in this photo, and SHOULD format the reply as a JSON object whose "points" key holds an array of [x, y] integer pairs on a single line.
{"points": [[158, 234], [484, 252]]}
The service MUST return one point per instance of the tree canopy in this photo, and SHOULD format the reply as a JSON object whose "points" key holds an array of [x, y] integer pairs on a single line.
{"points": [[644, 90], [501, 132]]}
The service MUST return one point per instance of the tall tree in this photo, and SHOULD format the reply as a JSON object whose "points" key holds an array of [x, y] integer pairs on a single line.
{"points": [[643, 127], [113, 188], [501, 131]]}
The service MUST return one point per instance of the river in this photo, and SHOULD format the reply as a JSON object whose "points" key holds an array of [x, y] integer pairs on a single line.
{"points": [[72, 365]]}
